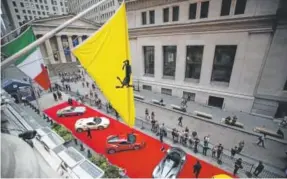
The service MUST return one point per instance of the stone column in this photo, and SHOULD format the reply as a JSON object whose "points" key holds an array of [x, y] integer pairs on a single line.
{"points": [[49, 51], [71, 47], [61, 49], [80, 39]]}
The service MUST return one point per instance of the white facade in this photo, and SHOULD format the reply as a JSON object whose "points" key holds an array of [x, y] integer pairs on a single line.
{"points": [[251, 32], [99, 14], [24, 10]]}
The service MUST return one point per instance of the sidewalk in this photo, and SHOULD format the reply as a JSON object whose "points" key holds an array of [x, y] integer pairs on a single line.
{"points": [[273, 154]]}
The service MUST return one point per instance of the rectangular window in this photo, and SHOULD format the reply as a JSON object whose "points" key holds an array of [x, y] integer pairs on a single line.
{"points": [[175, 13], [16, 10], [21, 4], [42, 7], [223, 62], [34, 12], [215, 101], [46, 7], [189, 96], [18, 17], [151, 17], [45, 1], [14, 4], [193, 61], [192, 11], [29, 12], [147, 87], [166, 91], [240, 7], [148, 60], [225, 7], [285, 86], [165, 14], [204, 9], [26, 18], [37, 6], [39, 13], [169, 60], [24, 11], [143, 18]]}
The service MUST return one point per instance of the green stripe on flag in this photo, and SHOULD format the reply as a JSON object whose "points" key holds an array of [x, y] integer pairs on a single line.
{"points": [[14, 46]]}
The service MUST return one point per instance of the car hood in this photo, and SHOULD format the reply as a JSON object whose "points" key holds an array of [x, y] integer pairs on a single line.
{"points": [[165, 170], [105, 121]]}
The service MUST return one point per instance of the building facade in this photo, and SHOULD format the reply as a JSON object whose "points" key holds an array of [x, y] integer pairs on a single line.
{"points": [[99, 14], [57, 50], [218, 52], [24, 10]]}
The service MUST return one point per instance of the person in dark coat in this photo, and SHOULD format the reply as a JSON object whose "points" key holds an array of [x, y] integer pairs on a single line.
{"points": [[237, 166], [89, 133], [233, 151], [258, 169], [59, 94], [55, 96], [196, 169], [180, 121]]}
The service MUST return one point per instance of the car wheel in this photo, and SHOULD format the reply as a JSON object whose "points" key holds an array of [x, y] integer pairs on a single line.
{"points": [[111, 151], [79, 130], [136, 147], [100, 127]]}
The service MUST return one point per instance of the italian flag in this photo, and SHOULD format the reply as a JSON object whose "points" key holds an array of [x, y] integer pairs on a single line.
{"points": [[31, 63]]}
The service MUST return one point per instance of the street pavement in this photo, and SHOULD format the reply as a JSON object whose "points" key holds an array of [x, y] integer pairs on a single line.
{"points": [[273, 154]]}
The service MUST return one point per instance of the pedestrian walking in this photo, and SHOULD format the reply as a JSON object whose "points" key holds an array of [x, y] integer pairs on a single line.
{"points": [[55, 96], [196, 169], [180, 121], [233, 151], [237, 166], [258, 169], [240, 146], [89, 133], [161, 135], [261, 140]]}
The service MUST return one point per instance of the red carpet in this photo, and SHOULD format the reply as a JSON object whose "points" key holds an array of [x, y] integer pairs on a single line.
{"points": [[139, 164]]}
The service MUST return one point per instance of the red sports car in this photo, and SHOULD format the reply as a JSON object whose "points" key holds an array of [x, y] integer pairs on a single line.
{"points": [[116, 143]]}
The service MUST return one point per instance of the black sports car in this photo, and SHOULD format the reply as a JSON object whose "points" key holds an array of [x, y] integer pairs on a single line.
{"points": [[171, 164]]}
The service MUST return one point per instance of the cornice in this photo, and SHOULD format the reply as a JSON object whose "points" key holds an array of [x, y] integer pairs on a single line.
{"points": [[143, 4], [259, 23], [70, 26]]}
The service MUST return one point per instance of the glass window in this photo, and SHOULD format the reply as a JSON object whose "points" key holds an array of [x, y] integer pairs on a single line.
{"points": [[24, 11], [175, 13], [192, 11], [147, 87], [46, 7], [29, 12], [165, 14], [39, 13], [240, 7], [151, 17], [42, 7], [225, 7], [169, 60], [223, 62], [45, 1], [26, 18], [166, 91], [204, 9], [61, 3], [37, 6], [148, 59], [18, 17], [193, 61], [34, 12], [16, 10], [285, 86], [14, 4], [143, 18], [21, 4], [215, 101]]}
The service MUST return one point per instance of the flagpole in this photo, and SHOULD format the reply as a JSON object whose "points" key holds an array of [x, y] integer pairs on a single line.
{"points": [[48, 35]]}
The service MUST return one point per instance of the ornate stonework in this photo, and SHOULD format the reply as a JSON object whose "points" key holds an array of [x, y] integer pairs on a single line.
{"points": [[142, 4], [258, 24]]}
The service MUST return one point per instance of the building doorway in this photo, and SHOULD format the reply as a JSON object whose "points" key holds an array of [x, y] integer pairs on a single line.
{"points": [[281, 110], [215, 102]]}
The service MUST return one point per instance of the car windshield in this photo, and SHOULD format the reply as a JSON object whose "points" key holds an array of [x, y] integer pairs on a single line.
{"points": [[97, 120], [113, 139], [174, 157], [131, 138]]}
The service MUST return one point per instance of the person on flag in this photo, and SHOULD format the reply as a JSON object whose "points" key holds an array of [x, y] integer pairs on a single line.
{"points": [[112, 72], [32, 63]]}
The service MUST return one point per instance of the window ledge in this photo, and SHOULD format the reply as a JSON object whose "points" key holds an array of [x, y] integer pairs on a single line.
{"points": [[168, 77], [192, 80], [148, 75], [219, 83]]}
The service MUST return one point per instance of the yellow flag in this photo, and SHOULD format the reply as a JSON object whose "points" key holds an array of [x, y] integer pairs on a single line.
{"points": [[106, 58]]}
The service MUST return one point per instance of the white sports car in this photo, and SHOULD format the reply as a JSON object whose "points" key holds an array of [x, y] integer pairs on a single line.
{"points": [[71, 111], [92, 123]]}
